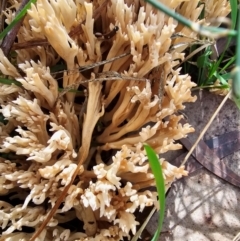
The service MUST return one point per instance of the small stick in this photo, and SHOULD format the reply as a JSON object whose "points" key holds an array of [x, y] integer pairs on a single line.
{"points": [[3, 5], [236, 238], [161, 87], [105, 76], [139, 232], [11, 35], [194, 53], [58, 202], [206, 127], [91, 66], [30, 44]]}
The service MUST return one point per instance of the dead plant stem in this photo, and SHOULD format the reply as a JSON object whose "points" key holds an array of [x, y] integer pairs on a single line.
{"points": [[236, 238], [206, 127], [139, 232]]}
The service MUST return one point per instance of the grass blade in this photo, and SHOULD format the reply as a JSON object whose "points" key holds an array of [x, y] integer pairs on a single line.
{"points": [[9, 82], [236, 70], [16, 19], [214, 32], [234, 7], [158, 174]]}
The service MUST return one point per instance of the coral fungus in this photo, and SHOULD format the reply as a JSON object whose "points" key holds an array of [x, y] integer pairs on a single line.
{"points": [[96, 130]]}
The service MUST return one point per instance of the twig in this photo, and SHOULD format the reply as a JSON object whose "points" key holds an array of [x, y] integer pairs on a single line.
{"points": [[59, 200], [236, 238], [53, 210], [92, 66], [161, 89], [3, 5], [30, 44], [194, 53], [11, 35], [104, 76], [206, 127], [140, 230]]}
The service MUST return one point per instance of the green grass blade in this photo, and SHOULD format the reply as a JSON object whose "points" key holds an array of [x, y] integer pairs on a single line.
{"points": [[222, 80], [158, 174], [9, 82], [203, 30], [236, 70], [229, 63], [226, 76], [16, 19], [234, 7]]}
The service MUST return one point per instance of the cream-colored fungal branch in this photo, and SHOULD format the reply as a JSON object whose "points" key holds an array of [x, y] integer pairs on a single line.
{"points": [[96, 131]]}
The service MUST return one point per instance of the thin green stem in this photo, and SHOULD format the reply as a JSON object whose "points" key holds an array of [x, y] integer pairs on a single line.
{"points": [[236, 70], [19, 16], [212, 32]]}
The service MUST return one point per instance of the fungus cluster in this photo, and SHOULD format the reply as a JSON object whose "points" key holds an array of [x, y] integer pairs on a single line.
{"points": [[97, 130]]}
